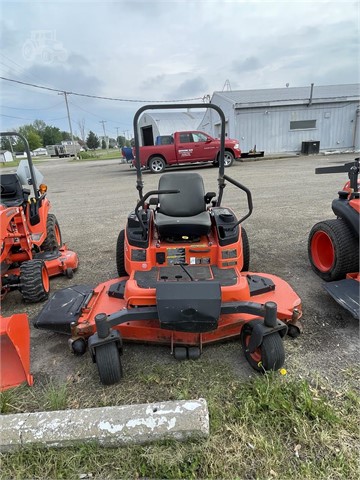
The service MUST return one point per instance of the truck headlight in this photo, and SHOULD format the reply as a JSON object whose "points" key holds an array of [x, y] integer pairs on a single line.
{"points": [[237, 146]]}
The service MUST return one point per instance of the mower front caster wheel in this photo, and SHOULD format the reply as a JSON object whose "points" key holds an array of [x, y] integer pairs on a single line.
{"points": [[108, 363], [270, 355]]}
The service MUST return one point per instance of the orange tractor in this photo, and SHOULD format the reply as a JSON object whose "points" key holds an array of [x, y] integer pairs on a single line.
{"points": [[31, 252], [333, 245], [183, 262], [31, 243]]}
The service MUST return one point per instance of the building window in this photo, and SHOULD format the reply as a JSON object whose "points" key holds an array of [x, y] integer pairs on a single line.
{"points": [[302, 124]]}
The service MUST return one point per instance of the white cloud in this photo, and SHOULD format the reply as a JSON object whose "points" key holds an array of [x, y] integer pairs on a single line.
{"points": [[155, 50]]}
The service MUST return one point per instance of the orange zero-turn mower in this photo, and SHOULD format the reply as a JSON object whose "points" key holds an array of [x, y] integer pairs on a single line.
{"points": [[333, 245], [14, 351], [31, 243], [183, 263]]}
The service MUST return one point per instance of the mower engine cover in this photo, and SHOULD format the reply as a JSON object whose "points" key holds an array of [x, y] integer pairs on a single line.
{"points": [[189, 306]]}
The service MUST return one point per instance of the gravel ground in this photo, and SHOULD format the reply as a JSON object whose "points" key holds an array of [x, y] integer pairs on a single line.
{"points": [[91, 201]]}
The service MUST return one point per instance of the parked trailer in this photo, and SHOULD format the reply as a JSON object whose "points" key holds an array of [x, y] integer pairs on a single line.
{"points": [[63, 150]]}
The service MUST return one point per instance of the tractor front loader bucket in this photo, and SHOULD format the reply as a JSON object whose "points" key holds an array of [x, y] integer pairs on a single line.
{"points": [[14, 351]]}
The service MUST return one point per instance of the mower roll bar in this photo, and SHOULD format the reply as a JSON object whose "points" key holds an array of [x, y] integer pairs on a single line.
{"points": [[176, 106], [352, 168], [29, 159]]}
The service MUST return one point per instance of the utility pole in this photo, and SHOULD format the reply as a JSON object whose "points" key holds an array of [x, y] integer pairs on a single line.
{"points": [[68, 114], [105, 137]]}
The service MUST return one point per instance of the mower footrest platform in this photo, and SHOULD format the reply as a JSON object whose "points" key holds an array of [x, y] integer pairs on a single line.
{"points": [[346, 293], [63, 308]]}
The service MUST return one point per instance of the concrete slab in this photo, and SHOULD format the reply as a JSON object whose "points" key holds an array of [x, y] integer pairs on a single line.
{"points": [[107, 426]]}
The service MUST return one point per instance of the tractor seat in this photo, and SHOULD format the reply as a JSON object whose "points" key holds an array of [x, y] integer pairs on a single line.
{"points": [[182, 213], [12, 193]]}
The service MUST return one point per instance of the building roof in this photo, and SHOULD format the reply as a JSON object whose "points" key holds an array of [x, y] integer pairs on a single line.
{"points": [[292, 95]]}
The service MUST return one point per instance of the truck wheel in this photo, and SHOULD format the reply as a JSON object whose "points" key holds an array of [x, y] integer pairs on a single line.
{"points": [[246, 250], [53, 240], [34, 281], [333, 249], [228, 159], [120, 254], [157, 165]]}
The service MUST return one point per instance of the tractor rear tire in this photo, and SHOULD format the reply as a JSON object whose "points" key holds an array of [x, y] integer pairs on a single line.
{"points": [[34, 280], [108, 363], [270, 355], [333, 249], [120, 254], [246, 250], [53, 240]]}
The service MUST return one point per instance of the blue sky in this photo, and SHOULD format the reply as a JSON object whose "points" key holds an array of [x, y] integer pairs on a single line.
{"points": [[164, 50]]}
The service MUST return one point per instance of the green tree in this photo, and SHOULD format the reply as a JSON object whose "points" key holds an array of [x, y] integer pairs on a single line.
{"points": [[121, 141], [33, 138], [51, 135], [103, 144], [39, 126], [92, 141], [66, 136]]}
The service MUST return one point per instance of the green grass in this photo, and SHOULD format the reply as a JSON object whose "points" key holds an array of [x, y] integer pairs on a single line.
{"points": [[268, 427], [98, 155]]}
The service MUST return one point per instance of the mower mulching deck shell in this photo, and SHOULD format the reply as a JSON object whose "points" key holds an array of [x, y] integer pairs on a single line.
{"points": [[181, 261]]}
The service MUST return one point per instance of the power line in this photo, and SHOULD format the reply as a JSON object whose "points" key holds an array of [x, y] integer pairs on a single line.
{"points": [[97, 96], [38, 108], [31, 119]]}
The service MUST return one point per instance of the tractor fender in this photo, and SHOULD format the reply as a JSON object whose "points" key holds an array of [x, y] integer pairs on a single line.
{"points": [[342, 209]]}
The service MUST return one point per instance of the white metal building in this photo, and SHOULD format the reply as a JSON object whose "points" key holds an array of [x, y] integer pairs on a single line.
{"points": [[154, 123], [280, 119]]}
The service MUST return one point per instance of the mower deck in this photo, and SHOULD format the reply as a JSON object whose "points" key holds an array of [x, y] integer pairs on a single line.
{"points": [[73, 310]]}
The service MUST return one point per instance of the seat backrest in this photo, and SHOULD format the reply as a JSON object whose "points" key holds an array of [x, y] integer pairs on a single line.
{"points": [[11, 189], [189, 202]]}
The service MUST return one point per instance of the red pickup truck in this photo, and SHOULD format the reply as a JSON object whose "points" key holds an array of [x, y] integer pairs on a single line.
{"points": [[186, 148]]}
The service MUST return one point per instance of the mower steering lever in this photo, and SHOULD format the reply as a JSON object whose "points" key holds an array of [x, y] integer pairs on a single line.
{"points": [[141, 203]]}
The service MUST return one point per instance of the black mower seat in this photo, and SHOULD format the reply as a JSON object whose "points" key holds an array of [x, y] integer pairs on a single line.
{"points": [[12, 193], [182, 213]]}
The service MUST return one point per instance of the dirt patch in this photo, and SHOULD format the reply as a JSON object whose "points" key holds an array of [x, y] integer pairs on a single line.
{"points": [[91, 202]]}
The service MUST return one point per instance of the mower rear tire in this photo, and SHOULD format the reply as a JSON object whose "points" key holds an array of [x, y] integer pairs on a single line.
{"points": [[34, 280], [120, 254], [270, 355], [333, 249], [108, 363], [157, 165], [246, 250], [53, 240]]}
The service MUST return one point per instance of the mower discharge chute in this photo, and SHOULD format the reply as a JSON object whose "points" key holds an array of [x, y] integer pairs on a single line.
{"points": [[183, 262], [333, 245], [31, 243]]}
